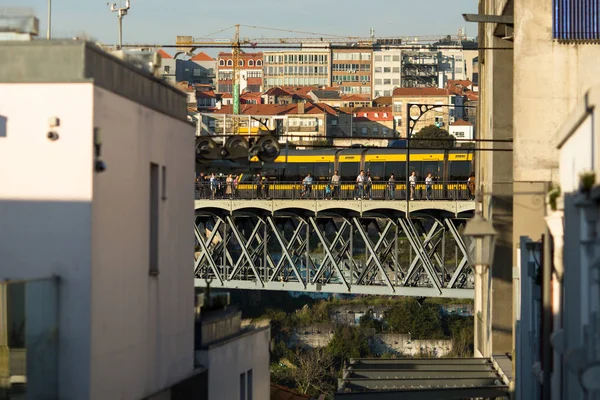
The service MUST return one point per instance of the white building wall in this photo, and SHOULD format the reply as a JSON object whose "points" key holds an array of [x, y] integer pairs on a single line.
{"points": [[142, 325], [46, 212], [227, 360], [462, 132], [385, 82]]}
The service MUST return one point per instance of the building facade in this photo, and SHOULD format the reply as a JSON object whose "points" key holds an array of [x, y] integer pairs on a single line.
{"points": [[251, 72], [200, 69], [351, 71], [307, 67], [420, 68], [387, 74], [432, 96], [124, 302]]}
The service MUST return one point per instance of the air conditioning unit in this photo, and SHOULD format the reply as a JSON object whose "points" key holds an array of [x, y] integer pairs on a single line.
{"points": [[339, 82]]}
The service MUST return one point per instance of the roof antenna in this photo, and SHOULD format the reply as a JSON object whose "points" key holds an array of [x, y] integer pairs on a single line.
{"points": [[121, 12]]}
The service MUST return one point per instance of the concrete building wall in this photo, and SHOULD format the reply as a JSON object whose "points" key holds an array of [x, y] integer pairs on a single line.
{"points": [[46, 211], [227, 360], [387, 74], [141, 323], [494, 184]]}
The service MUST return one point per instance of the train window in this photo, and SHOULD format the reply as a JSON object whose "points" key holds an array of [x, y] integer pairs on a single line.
{"points": [[305, 169], [459, 170], [432, 167], [376, 170], [349, 171], [322, 172], [396, 168], [291, 172], [416, 166]]}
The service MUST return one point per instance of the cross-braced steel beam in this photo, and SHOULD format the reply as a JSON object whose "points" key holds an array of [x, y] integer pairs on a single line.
{"points": [[392, 256]]}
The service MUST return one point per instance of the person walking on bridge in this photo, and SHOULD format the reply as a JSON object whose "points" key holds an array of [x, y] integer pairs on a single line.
{"points": [[307, 183], [335, 183], [412, 180]]}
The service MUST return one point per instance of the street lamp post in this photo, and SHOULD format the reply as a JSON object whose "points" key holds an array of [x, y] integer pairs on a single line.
{"points": [[482, 232], [49, 34]]}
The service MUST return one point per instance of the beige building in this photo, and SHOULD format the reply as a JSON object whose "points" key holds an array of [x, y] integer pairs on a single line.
{"points": [[550, 68], [432, 96], [308, 67], [351, 70]]}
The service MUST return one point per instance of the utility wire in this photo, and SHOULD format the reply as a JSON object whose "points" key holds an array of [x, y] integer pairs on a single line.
{"points": [[326, 47]]}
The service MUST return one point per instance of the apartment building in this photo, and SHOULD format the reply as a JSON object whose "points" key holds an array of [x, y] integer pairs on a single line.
{"points": [[306, 67], [351, 71], [251, 72], [387, 74], [420, 68], [438, 116], [200, 69]]}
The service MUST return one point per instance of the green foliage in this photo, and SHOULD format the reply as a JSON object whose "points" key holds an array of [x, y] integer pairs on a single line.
{"points": [[423, 321], [348, 342], [445, 140], [462, 331], [367, 322]]}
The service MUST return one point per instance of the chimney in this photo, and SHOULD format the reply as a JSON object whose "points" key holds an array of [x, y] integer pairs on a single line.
{"points": [[301, 107]]}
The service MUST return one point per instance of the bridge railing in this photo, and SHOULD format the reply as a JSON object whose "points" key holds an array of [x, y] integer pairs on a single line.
{"points": [[319, 190]]}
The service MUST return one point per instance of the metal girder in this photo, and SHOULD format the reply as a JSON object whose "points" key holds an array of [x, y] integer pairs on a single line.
{"points": [[461, 245], [352, 255]]}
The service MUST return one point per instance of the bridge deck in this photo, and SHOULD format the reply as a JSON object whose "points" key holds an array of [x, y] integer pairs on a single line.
{"points": [[363, 208]]}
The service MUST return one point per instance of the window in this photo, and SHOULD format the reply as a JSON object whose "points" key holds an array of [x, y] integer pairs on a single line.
{"points": [[387, 70], [241, 63], [250, 63], [153, 242], [249, 384], [387, 58], [398, 107], [575, 20], [229, 63], [243, 386], [164, 183], [258, 63], [222, 63], [167, 69]]}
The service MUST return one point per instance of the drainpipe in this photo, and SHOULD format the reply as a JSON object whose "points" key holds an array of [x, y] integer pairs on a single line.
{"points": [[547, 316]]}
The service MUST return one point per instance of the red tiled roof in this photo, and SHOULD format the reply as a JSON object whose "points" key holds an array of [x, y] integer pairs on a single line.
{"points": [[464, 83], [251, 94], [202, 56], [279, 109], [207, 94], [279, 392], [277, 91], [461, 122], [355, 97], [383, 100], [163, 54], [472, 96], [421, 92], [372, 113]]}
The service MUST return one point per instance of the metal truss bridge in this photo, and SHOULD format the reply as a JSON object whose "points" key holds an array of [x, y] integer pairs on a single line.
{"points": [[334, 246]]}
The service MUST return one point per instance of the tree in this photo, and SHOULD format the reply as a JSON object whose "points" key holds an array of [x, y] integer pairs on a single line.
{"points": [[314, 371], [444, 139], [348, 342], [422, 321]]}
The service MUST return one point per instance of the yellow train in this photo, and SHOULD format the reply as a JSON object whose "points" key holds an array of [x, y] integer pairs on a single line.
{"points": [[282, 178]]}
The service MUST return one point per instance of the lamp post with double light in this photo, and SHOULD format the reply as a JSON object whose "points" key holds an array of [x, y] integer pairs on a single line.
{"points": [[481, 231]]}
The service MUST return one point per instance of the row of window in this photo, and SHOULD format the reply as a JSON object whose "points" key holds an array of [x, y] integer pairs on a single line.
{"points": [[351, 78], [387, 70], [310, 81], [227, 76], [297, 70], [387, 82], [351, 56], [351, 67], [229, 63], [296, 58], [387, 58]]}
